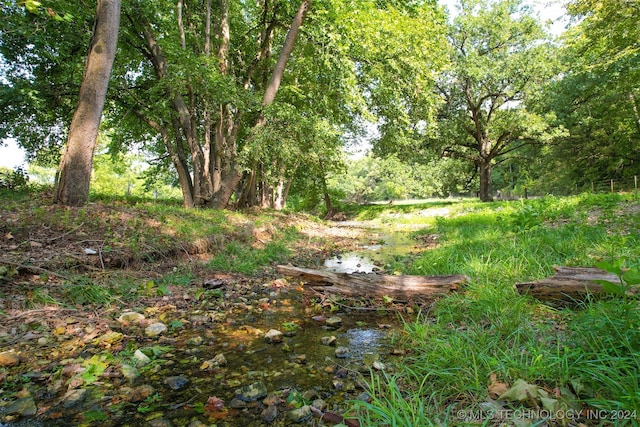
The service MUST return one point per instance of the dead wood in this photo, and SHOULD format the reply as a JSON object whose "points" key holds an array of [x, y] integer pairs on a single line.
{"points": [[569, 284], [396, 287]]}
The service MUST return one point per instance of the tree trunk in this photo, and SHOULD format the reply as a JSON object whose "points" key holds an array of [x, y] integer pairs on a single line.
{"points": [[232, 176], [177, 158], [183, 125], [289, 43], [281, 191], [225, 177], [74, 172], [636, 110], [228, 184], [484, 167], [325, 192]]}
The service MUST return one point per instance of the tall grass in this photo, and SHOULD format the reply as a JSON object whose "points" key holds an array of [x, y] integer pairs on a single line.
{"points": [[590, 352]]}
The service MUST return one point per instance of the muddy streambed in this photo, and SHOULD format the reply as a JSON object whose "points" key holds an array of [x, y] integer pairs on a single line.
{"points": [[242, 353]]}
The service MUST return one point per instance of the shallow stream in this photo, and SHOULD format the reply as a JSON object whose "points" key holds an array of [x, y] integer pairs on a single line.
{"points": [[205, 369]]}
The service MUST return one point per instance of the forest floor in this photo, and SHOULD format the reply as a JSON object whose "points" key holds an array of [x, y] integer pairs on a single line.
{"points": [[71, 277], [143, 313]]}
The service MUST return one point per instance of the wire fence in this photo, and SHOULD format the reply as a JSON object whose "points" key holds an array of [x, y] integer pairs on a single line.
{"points": [[615, 185], [607, 185]]}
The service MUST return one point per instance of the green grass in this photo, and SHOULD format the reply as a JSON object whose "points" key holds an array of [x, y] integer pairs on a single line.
{"points": [[134, 232], [238, 258], [591, 353]]}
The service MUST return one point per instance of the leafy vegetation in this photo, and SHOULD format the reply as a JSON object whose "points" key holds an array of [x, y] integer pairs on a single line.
{"points": [[481, 102], [127, 232], [588, 354]]}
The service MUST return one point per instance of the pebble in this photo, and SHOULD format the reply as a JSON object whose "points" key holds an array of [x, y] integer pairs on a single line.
{"points": [[319, 404], [300, 359], [24, 407], [129, 372], [9, 358], [74, 397], [155, 329], [270, 413], [342, 352], [236, 403], [195, 340], [176, 382], [160, 422], [333, 322], [273, 336], [300, 414], [330, 341], [141, 358], [218, 360], [252, 392], [364, 396], [131, 317], [139, 393]]}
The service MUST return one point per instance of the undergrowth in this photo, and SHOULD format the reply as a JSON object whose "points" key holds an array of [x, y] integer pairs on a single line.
{"points": [[128, 234], [586, 357]]}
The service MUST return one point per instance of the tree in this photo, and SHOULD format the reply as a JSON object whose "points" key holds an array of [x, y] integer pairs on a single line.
{"points": [[216, 86], [189, 86], [498, 58], [399, 49], [74, 173], [600, 69], [42, 62]]}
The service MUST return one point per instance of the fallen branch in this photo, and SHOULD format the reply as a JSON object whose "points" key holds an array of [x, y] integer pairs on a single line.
{"points": [[568, 284], [396, 287], [65, 234], [40, 311], [33, 269]]}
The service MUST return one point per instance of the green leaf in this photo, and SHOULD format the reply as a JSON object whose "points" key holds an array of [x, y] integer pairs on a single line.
{"points": [[295, 399], [551, 405], [611, 288], [92, 416], [632, 276], [611, 268], [176, 324], [32, 6]]}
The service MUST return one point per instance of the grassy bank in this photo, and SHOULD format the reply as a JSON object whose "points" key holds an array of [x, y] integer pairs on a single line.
{"points": [[488, 355], [114, 250], [474, 358]]}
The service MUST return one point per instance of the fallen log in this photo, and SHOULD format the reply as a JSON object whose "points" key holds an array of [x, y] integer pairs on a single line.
{"points": [[396, 287], [568, 284]]}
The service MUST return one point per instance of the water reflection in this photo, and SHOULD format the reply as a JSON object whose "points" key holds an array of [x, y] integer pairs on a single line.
{"points": [[373, 254]]}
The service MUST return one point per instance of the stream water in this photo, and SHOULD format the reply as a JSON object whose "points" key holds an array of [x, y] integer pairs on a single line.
{"points": [[321, 358], [379, 247]]}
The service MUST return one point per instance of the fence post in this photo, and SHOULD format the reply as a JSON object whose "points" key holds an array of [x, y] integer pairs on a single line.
{"points": [[612, 185], [635, 182], [593, 188]]}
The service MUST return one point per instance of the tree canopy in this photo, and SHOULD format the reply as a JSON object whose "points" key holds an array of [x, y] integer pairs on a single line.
{"points": [[243, 103], [596, 96]]}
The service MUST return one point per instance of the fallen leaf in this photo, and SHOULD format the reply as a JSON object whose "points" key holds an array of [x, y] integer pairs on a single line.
{"points": [[523, 391], [496, 388], [214, 404]]}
